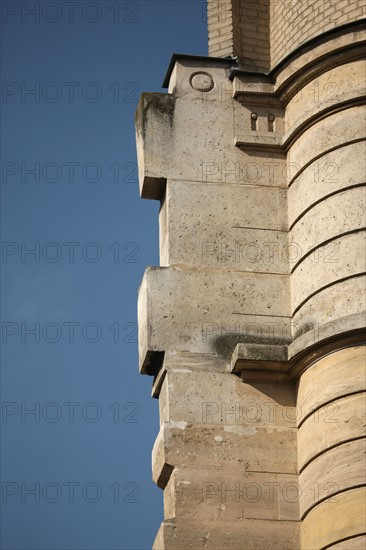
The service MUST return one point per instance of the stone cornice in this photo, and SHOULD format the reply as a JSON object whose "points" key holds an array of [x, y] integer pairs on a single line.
{"points": [[278, 363]]}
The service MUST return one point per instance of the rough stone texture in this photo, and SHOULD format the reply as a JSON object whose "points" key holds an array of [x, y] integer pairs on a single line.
{"points": [[329, 523], [355, 543], [335, 471], [334, 376], [250, 240], [330, 426], [337, 85], [344, 259], [219, 310], [183, 398], [332, 173], [331, 132], [225, 494], [234, 535], [252, 325], [183, 445]]}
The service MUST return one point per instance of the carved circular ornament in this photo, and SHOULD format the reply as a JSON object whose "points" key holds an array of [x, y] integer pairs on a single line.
{"points": [[202, 82]]}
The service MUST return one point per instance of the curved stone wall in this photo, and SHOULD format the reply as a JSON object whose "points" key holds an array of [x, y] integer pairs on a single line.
{"points": [[326, 151], [331, 448], [326, 198]]}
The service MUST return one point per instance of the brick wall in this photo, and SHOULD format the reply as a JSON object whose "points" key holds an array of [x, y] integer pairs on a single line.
{"points": [[220, 28], [262, 32], [294, 22], [254, 31], [240, 28]]}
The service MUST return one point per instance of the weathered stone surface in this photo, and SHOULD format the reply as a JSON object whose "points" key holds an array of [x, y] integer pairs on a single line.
{"points": [[221, 308], [337, 215], [345, 258], [330, 132], [355, 543], [235, 535], [337, 170], [336, 375], [334, 310], [171, 145], [184, 397], [259, 178], [337, 85], [225, 494], [334, 424], [268, 131], [183, 445], [333, 521], [339, 469], [203, 225]]}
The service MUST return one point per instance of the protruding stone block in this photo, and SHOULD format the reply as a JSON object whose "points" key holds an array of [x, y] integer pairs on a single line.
{"points": [[221, 308]]}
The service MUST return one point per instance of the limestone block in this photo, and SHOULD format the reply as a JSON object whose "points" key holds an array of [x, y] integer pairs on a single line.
{"points": [[192, 139], [331, 522], [225, 494], [336, 375], [338, 422], [204, 137], [328, 133], [223, 399], [234, 535], [343, 258], [335, 471], [224, 225], [221, 308], [265, 130], [338, 169], [154, 133], [334, 216], [328, 175], [244, 447], [201, 79], [338, 84]]}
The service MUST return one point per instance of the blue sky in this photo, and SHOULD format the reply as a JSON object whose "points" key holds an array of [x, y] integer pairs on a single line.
{"points": [[76, 238]]}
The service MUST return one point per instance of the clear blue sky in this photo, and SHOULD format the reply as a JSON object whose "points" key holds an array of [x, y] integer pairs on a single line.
{"points": [[76, 473]]}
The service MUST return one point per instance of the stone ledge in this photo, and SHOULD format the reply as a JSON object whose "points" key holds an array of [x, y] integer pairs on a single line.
{"points": [[279, 363]]}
